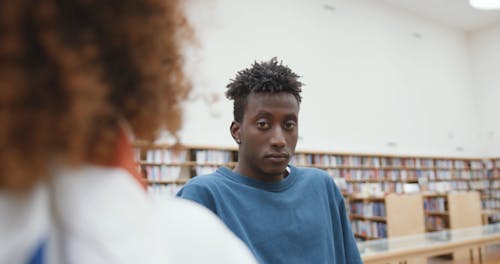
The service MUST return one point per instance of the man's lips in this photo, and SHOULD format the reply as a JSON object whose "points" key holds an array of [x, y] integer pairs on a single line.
{"points": [[277, 157]]}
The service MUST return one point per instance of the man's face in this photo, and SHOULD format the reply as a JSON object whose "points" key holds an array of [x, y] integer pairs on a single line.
{"points": [[268, 135]]}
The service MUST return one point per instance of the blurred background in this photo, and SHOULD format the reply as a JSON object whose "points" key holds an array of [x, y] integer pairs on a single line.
{"points": [[414, 77]]}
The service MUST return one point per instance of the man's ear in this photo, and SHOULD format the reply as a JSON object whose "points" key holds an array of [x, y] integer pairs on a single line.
{"points": [[235, 130]]}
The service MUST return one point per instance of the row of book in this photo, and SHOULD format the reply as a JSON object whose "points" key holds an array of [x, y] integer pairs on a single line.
{"points": [[463, 174], [168, 173], [213, 156], [495, 184], [446, 186], [490, 204], [446, 164], [368, 209], [177, 156], [360, 161], [202, 170], [479, 185], [369, 229], [476, 165], [435, 204], [372, 174], [165, 156], [163, 190], [379, 189], [404, 175], [459, 164], [223, 156], [365, 189], [162, 173], [441, 186], [377, 174], [436, 223], [368, 161]]}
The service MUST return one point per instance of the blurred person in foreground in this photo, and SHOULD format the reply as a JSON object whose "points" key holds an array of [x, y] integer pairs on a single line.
{"points": [[78, 81]]}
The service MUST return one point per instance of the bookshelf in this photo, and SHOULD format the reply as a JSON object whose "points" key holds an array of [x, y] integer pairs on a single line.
{"points": [[381, 174], [356, 174], [368, 217], [390, 216], [167, 168], [492, 205], [454, 210], [436, 212]]}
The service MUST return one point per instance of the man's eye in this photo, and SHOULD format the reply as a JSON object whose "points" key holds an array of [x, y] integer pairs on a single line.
{"points": [[290, 125], [263, 125]]}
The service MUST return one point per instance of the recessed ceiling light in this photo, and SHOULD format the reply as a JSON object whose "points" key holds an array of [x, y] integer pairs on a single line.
{"points": [[485, 4]]}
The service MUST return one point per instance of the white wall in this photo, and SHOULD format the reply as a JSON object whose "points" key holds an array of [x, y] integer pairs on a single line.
{"points": [[374, 74], [485, 57]]}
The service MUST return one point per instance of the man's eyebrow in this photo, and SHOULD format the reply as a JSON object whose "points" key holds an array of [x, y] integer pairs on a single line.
{"points": [[269, 115], [263, 114], [291, 116]]}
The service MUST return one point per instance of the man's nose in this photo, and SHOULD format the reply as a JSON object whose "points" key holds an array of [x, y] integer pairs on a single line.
{"points": [[278, 138]]}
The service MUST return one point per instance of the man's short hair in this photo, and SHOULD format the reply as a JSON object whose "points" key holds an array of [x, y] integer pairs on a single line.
{"points": [[263, 77]]}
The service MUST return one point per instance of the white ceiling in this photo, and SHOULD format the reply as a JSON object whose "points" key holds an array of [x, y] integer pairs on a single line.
{"points": [[455, 13]]}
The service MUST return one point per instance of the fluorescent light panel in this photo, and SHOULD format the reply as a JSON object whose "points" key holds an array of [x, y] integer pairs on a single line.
{"points": [[485, 4]]}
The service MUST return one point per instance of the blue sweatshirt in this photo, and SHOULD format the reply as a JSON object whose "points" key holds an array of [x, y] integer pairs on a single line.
{"points": [[301, 219]]}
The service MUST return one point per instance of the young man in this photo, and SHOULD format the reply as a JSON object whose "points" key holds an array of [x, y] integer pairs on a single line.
{"points": [[283, 213]]}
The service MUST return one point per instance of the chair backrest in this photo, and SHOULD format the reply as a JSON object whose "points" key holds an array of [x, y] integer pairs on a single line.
{"points": [[464, 209], [405, 214]]}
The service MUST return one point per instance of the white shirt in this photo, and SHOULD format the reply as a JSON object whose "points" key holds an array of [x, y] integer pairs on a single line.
{"points": [[24, 222], [101, 215]]}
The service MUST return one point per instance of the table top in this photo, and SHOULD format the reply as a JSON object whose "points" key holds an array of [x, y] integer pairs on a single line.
{"points": [[429, 241]]}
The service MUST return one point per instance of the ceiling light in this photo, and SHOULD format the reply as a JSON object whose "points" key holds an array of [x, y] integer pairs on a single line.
{"points": [[485, 4]]}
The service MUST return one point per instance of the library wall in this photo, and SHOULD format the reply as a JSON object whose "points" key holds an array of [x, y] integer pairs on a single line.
{"points": [[378, 79], [485, 57]]}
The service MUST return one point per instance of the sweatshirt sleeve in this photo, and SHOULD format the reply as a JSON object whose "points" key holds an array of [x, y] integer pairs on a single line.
{"points": [[351, 251], [198, 193]]}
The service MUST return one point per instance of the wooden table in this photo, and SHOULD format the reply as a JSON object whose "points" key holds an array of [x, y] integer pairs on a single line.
{"points": [[403, 249]]}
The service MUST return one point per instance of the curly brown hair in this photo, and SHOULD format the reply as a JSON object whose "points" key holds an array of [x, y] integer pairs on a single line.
{"points": [[71, 71]]}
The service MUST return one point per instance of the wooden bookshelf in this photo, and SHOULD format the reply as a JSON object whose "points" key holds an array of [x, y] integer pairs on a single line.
{"points": [[370, 174], [491, 204], [453, 210], [464, 209], [368, 217], [436, 212], [167, 168], [389, 216], [355, 174]]}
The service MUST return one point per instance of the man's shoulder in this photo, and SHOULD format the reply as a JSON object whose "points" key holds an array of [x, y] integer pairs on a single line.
{"points": [[312, 173], [317, 177], [207, 179]]}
